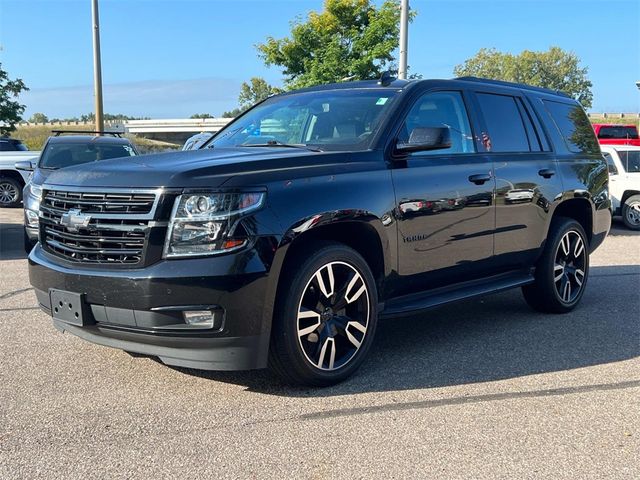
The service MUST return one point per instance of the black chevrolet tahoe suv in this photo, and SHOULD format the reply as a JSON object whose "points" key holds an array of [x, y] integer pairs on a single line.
{"points": [[318, 212]]}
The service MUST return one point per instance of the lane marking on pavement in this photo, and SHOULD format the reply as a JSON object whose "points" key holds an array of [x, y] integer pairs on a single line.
{"points": [[347, 412], [14, 293], [18, 309], [628, 274]]}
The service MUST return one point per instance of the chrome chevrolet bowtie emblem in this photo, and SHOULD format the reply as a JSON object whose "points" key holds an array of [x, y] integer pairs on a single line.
{"points": [[74, 219]]}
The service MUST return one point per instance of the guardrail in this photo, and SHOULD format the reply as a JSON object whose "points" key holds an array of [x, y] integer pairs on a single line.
{"points": [[170, 125], [631, 116]]}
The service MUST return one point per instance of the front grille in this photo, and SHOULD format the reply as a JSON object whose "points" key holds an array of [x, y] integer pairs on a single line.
{"points": [[116, 231], [100, 202]]}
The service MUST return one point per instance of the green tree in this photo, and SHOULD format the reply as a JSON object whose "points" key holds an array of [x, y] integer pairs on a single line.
{"points": [[252, 92], [555, 69], [10, 109], [255, 91], [38, 118], [348, 38], [201, 115], [233, 113]]}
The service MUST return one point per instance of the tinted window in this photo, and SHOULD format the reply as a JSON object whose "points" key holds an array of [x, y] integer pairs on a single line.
{"points": [[441, 109], [506, 130], [630, 160], [60, 155], [622, 131], [11, 146], [574, 126], [613, 170]]}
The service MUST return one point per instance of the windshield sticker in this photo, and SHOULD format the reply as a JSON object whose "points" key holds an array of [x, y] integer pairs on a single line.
{"points": [[382, 100]]}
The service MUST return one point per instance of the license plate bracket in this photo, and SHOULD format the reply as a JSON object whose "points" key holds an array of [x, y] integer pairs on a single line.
{"points": [[69, 307]]}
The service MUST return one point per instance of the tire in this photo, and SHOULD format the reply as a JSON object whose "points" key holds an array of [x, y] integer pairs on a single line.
{"points": [[631, 212], [10, 192], [562, 270], [328, 286]]}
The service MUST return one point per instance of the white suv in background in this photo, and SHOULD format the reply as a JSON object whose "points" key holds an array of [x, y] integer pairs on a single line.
{"points": [[624, 182]]}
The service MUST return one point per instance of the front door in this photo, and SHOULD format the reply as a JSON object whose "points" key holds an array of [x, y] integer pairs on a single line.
{"points": [[444, 199]]}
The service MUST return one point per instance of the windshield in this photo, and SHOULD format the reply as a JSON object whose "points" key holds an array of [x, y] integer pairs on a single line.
{"points": [[618, 132], [630, 160], [60, 155], [344, 120]]}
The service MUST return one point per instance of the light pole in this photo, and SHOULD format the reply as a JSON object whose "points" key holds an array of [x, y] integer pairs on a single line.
{"points": [[404, 34], [97, 67]]}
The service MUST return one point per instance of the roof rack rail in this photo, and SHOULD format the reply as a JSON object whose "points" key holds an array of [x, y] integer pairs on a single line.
{"points": [[85, 132], [515, 85]]}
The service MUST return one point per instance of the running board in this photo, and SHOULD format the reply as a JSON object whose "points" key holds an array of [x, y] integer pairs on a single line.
{"points": [[407, 304]]}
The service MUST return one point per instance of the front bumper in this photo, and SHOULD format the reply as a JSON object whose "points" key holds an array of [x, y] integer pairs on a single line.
{"points": [[131, 308], [32, 234]]}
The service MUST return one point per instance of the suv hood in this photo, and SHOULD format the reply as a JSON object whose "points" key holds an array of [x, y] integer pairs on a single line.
{"points": [[199, 168]]}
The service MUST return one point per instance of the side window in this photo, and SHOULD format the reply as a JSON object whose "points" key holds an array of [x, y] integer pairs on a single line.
{"points": [[506, 129], [613, 170], [630, 160], [441, 109], [574, 126], [5, 147]]}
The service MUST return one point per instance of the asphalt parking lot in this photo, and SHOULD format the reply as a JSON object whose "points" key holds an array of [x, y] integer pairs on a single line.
{"points": [[482, 389]]}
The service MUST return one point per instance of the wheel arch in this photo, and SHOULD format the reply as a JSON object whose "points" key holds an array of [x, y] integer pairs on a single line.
{"points": [[360, 230], [627, 194], [579, 209], [14, 175], [356, 229]]}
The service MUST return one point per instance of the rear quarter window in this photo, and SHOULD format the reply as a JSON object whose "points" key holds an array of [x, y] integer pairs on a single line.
{"points": [[574, 126]]}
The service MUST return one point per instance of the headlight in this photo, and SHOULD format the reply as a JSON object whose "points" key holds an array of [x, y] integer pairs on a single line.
{"points": [[35, 191], [204, 223]]}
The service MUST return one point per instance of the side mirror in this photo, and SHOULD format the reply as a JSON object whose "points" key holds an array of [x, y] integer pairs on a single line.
{"points": [[24, 165], [426, 138]]}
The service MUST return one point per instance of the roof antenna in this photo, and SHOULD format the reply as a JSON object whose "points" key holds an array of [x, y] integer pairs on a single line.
{"points": [[386, 78]]}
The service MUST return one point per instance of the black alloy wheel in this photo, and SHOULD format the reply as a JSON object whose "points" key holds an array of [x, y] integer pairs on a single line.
{"points": [[562, 271], [569, 267], [333, 316], [325, 318]]}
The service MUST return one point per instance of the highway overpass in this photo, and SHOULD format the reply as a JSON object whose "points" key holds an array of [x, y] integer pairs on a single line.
{"points": [[175, 130]]}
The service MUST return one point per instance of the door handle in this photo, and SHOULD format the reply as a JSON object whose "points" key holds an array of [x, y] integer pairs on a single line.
{"points": [[546, 173], [479, 178]]}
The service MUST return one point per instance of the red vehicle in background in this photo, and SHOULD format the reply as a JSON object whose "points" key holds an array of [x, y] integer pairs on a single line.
{"points": [[609, 134]]}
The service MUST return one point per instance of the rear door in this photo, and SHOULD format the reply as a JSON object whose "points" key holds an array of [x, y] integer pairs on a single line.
{"points": [[444, 198], [526, 175]]}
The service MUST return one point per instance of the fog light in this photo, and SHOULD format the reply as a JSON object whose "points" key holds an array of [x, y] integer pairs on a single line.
{"points": [[32, 218], [199, 318]]}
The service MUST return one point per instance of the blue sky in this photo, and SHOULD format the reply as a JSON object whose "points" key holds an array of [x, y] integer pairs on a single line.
{"points": [[173, 58]]}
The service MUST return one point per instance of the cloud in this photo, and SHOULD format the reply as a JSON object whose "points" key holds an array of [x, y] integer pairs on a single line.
{"points": [[151, 98]]}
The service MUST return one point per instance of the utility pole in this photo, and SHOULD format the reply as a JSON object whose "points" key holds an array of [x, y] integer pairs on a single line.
{"points": [[97, 67], [404, 34]]}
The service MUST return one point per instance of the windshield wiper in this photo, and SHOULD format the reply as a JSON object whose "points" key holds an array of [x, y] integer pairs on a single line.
{"points": [[277, 143]]}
